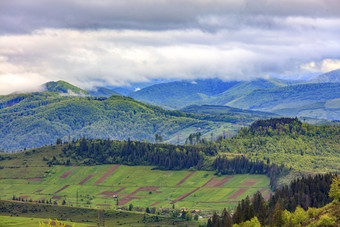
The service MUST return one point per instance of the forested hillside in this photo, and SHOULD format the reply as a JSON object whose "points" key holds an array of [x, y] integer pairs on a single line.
{"points": [[304, 147], [36, 119]]}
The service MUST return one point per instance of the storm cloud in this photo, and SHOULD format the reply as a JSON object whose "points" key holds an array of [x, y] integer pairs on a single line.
{"points": [[99, 42]]}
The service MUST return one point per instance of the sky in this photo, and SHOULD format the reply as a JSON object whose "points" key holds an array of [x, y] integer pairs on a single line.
{"points": [[93, 43]]}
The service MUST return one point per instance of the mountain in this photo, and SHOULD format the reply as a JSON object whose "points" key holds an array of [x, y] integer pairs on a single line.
{"points": [[102, 92], [290, 98], [35, 119], [330, 77], [64, 88], [181, 93], [246, 115]]}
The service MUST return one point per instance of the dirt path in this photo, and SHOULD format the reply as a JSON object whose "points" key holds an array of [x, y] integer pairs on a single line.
{"points": [[86, 179], [238, 193], [185, 178], [106, 175], [63, 188]]}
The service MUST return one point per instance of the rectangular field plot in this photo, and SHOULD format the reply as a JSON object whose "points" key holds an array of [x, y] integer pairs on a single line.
{"points": [[96, 186]]}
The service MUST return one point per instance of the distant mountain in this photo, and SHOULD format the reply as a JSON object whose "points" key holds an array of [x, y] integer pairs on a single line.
{"points": [[330, 77], [102, 92], [287, 97], [227, 110], [35, 119], [64, 88], [182, 93]]}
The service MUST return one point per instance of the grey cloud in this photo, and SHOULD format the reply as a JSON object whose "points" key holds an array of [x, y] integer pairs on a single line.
{"points": [[26, 16]]}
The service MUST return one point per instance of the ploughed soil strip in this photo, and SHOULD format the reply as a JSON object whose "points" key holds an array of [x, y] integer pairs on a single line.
{"points": [[249, 182], [103, 205], [86, 179], [185, 195], [131, 196], [263, 190], [238, 193], [266, 197], [34, 179], [108, 194], [57, 197], [222, 202], [66, 174], [106, 175], [185, 178], [156, 203], [63, 188], [40, 190], [40, 199], [215, 183], [24, 197]]}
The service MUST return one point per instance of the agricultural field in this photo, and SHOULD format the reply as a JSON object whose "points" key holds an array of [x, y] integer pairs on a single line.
{"points": [[141, 186]]}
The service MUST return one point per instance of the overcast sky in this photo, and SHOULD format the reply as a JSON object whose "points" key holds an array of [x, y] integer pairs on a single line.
{"points": [[100, 42]]}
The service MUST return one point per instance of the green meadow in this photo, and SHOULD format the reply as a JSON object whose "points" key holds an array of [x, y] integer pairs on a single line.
{"points": [[141, 186]]}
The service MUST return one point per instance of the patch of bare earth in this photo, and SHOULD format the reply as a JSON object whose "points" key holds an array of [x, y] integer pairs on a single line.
{"points": [[63, 188], [57, 197], [66, 174], [238, 193], [34, 179], [24, 197], [184, 196], [108, 194], [103, 205], [106, 175], [215, 183], [86, 179], [156, 203], [249, 182], [131, 196], [40, 190], [185, 178]]}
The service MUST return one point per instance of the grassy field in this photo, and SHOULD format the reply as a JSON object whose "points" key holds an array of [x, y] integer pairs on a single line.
{"points": [[138, 185], [33, 222]]}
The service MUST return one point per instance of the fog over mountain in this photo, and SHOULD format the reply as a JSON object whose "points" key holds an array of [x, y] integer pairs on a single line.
{"points": [[115, 43]]}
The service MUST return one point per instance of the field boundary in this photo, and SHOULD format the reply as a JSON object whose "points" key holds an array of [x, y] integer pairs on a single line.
{"points": [[86, 179], [185, 178], [106, 175]]}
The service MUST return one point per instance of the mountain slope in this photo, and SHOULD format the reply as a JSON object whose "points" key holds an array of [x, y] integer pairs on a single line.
{"points": [[102, 92], [181, 93], [288, 97], [36, 119], [330, 77], [65, 88]]}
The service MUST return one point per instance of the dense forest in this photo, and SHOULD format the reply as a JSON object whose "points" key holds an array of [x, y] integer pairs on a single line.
{"points": [[288, 206], [297, 145]]}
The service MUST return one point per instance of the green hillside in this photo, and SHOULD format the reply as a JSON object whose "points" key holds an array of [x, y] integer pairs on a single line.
{"points": [[287, 97], [36, 119], [102, 92], [330, 77], [178, 94], [64, 88]]}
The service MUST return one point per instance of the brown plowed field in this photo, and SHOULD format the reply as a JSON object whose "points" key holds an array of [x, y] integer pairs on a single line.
{"points": [[56, 197], [214, 183], [108, 194], [66, 174], [185, 178], [61, 189], [34, 179], [263, 190], [238, 193], [24, 197], [103, 205], [222, 202], [130, 196], [106, 175], [249, 182], [156, 203], [86, 179], [184, 196], [40, 190]]}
